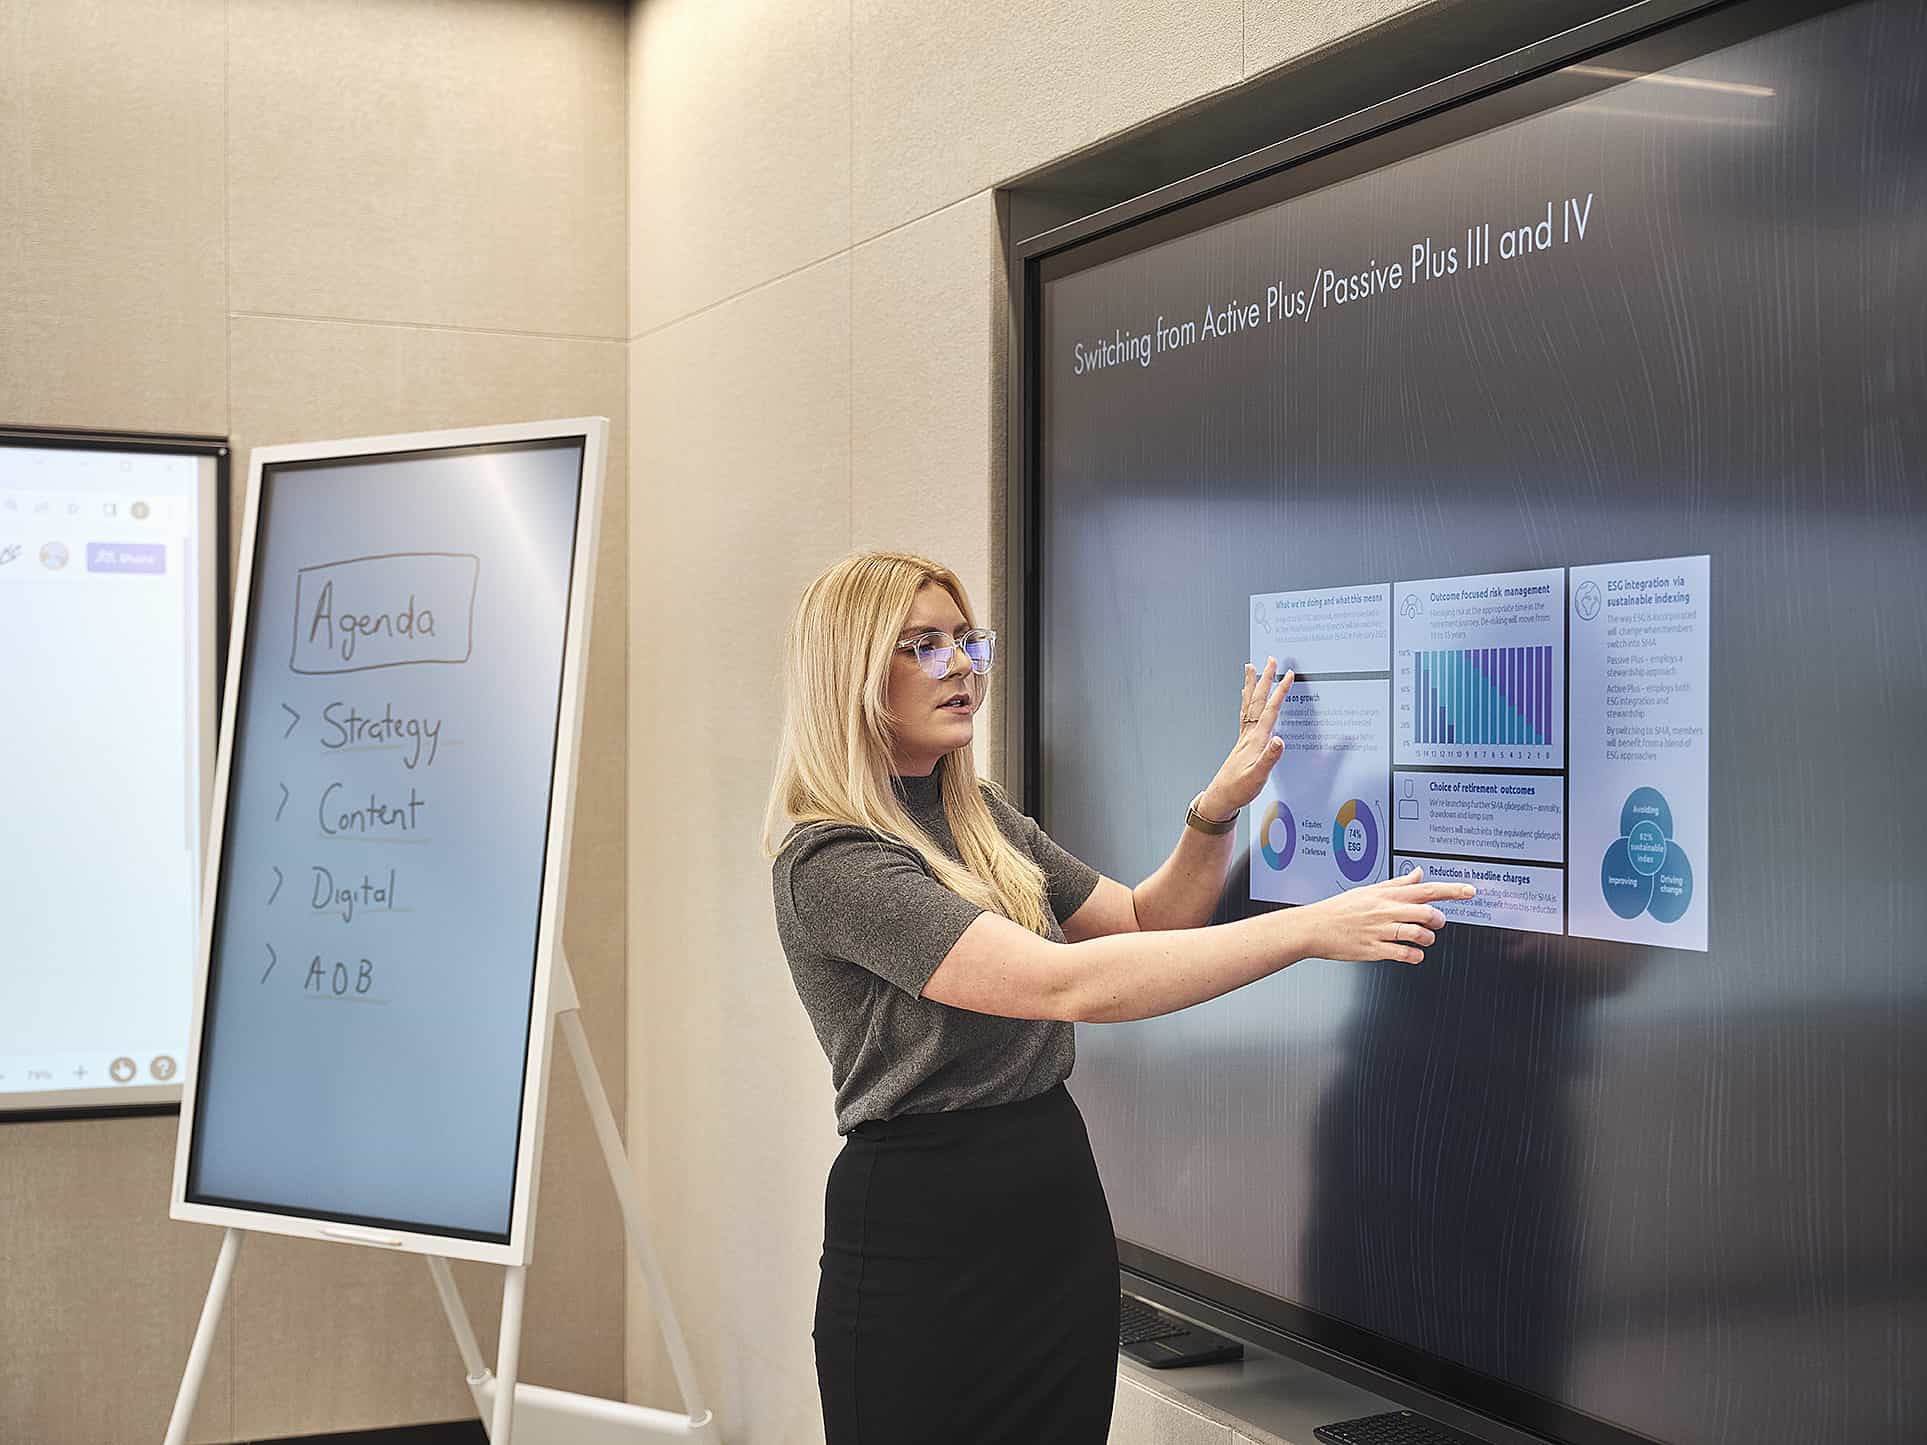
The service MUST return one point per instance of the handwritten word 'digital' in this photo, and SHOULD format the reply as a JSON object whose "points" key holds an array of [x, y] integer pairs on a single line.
{"points": [[368, 895], [393, 610]]}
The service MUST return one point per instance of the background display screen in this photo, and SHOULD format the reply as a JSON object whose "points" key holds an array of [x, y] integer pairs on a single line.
{"points": [[109, 560], [1572, 445], [373, 964]]}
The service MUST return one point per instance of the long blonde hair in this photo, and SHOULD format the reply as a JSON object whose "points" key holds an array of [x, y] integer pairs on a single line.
{"points": [[833, 760]]}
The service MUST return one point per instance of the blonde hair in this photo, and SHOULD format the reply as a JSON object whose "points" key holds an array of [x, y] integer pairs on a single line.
{"points": [[833, 760]]}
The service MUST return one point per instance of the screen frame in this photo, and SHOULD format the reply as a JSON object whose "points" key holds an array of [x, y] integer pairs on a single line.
{"points": [[516, 1247], [113, 1101], [1340, 149]]}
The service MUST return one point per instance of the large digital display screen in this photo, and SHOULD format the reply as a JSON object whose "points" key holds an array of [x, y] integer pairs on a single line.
{"points": [[1571, 446], [109, 568], [370, 980]]}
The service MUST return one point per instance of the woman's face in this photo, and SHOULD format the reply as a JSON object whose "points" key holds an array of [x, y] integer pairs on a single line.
{"points": [[934, 715]]}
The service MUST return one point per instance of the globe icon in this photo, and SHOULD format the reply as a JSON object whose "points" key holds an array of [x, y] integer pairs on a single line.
{"points": [[1587, 601]]}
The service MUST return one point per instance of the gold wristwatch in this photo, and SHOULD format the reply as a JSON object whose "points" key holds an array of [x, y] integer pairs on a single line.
{"points": [[1194, 819]]}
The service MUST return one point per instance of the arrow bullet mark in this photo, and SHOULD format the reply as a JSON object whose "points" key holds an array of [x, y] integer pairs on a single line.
{"points": [[284, 803], [293, 714], [277, 884], [272, 961]]}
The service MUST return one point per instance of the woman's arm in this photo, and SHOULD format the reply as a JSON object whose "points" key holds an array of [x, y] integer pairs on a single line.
{"points": [[1184, 891], [996, 967]]}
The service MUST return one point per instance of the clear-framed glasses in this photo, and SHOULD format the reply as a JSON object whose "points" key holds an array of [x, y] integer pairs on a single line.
{"points": [[934, 650]]}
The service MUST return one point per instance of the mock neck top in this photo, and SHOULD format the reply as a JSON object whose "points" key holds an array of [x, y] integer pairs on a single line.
{"points": [[864, 924]]}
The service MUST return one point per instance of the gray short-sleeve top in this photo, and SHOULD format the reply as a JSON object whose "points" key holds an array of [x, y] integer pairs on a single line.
{"points": [[865, 924]]}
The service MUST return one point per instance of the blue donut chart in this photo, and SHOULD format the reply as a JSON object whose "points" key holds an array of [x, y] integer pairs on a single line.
{"points": [[1355, 812], [1278, 856]]}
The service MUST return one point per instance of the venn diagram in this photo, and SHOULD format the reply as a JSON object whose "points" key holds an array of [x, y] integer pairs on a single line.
{"points": [[1645, 870]]}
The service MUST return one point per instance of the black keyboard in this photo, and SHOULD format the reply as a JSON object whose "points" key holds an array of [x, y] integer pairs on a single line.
{"points": [[1151, 1337], [1396, 1427], [1137, 1322]]}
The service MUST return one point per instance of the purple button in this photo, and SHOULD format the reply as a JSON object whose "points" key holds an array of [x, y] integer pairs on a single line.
{"points": [[147, 558]]}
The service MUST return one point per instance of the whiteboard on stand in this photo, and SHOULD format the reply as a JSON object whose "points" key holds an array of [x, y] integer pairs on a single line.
{"points": [[393, 798]]}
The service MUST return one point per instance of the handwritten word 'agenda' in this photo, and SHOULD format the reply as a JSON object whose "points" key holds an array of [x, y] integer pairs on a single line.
{"points": [[387, 611], [410, 621]]}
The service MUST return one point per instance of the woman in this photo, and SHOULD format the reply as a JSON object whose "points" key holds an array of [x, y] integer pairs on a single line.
{"points": [[943, 946]]}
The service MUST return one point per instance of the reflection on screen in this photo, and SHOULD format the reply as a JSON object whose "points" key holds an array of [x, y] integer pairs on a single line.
{"points": [[1601, 555]]}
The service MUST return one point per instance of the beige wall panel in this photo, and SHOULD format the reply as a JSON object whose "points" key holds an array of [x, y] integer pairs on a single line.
{"points": [[112, 253], [454, 164], [102, 1290], [739, 146], [1280, 31], [926, 405], [741, 422], [337, 1338], [950, 99]]}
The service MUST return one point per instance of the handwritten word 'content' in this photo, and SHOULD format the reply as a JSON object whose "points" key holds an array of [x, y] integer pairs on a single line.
{"points": [[376, 818]]}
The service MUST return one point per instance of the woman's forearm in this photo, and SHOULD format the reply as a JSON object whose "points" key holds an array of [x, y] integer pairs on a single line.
{"points": [[1184, 891], [1125, 976]]}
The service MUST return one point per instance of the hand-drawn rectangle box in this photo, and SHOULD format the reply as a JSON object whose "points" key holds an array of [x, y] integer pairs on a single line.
{"points": [[393, 610]]}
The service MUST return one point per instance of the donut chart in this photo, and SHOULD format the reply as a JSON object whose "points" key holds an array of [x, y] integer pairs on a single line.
{"points": [[1355, 840], [1277, 856]]}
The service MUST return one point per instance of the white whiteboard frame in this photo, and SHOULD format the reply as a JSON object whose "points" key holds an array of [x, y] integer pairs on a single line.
{"points": [[594, 433]]}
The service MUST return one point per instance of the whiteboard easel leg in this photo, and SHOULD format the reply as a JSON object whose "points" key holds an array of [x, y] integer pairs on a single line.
{"points": [[634, 1225], [508, 1355], [457, 1313], [184, 1402]]}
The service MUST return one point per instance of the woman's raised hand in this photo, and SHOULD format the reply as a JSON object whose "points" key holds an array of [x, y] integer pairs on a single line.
{"points": [[1393, 920], [1243, 775]]}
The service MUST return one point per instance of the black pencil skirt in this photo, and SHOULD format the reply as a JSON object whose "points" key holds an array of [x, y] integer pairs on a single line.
{"points": [[969, 1289]]}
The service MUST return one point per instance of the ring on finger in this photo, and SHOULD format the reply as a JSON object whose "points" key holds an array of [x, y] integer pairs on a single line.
{"points": [[1398, 934]]}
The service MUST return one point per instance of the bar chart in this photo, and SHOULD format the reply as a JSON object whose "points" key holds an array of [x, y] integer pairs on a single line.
{"points": [[1490, 695], [1479, 671]]}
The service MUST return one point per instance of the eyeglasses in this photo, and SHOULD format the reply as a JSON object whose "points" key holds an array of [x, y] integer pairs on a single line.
{"points": [[933, 650]]}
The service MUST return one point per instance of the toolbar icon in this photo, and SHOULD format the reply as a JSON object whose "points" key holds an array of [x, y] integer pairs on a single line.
{"points": [[162, 1067], [122, 1069]]}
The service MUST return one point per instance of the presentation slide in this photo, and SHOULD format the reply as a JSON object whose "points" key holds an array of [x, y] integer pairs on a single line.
{"points": [[1333, 629], [1481, 667], [1429, 722], [1640, 700], [1319, 826], [106, 662], [373, 962]]}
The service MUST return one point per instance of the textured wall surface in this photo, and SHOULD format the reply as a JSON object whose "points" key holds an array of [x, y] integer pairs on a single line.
{"points": [[817, 365], [279, 221]]}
